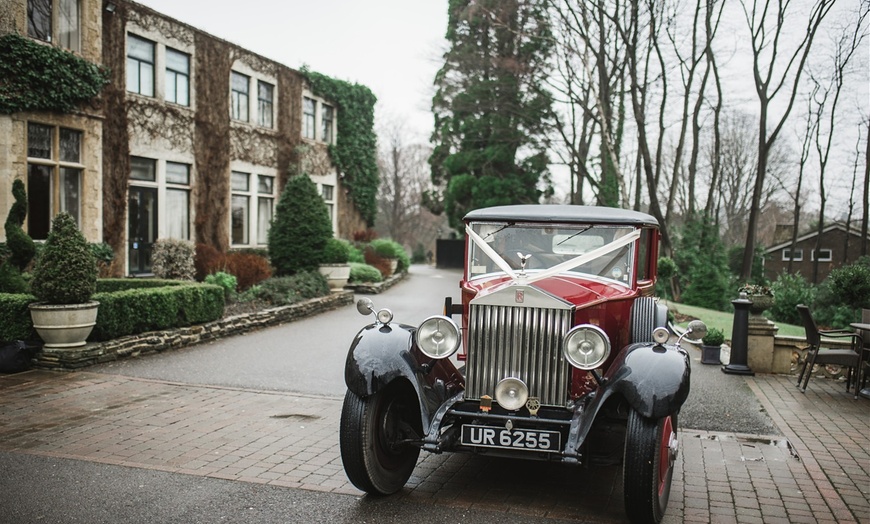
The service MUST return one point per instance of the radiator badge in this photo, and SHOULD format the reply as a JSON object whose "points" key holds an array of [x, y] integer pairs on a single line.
{"points": [[520, 296]]}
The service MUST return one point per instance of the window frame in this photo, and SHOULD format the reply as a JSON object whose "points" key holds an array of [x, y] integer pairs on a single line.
{"points": [[327, 125], [43, 33], [255, 194], [139, 63], [265, 107], [59, 171], [823, 258], [236, 105], [786, 255], [175, 74], [309, 120]]}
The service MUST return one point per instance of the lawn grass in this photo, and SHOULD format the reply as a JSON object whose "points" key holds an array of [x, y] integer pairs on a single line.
{"points": [[725, 321]]}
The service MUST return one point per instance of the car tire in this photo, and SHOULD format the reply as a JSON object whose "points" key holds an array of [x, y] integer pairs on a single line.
{"points": [[643, 319], [372, 428], [650, 451]]}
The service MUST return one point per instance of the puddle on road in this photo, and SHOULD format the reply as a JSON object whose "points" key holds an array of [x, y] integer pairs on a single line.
{"points": [[295, 416], [776, 442]]}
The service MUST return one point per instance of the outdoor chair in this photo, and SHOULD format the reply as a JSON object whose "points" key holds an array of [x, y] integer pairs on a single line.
{"points": [[849, 358]]}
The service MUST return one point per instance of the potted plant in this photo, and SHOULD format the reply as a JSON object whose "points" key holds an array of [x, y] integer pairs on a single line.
{"points": [[335, 265], [760, 296], [64, 279], [711, 346]]}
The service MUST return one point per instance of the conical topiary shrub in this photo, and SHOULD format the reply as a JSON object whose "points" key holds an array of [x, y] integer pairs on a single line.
{"points": [[66, 272], [301, 228]]}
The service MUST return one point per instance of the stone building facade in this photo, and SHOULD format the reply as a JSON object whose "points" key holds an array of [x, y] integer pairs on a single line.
{"points": [[193, 137]]}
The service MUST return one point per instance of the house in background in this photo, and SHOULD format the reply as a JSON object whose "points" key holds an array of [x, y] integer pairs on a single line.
{"points": [[193, 138], [839, 246]]}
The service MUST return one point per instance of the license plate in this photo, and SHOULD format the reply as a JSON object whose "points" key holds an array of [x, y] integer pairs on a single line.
{"points": [[517, 438]]}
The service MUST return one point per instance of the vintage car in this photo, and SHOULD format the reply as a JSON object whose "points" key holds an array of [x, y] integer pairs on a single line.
{"points": [[564, 357]]}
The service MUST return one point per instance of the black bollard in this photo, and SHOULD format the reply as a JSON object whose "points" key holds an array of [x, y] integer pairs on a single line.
{"points": [[739, 339]]}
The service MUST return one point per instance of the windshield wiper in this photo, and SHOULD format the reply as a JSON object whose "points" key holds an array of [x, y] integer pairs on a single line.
{"points": [[510, 224], [587, 228]]}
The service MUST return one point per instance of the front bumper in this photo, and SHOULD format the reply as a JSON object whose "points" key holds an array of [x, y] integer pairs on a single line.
{"points": [[445, 434]]}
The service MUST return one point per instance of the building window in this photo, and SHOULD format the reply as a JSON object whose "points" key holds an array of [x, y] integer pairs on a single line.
{"points": [[824, 255], [177, 77], [69, 24], [245, 217], [239, 97], [328, 194], [308, 117], [265, 204], [326, 123], [54, 173], [787, 255], [140, 65], [265, 94], [177, 200], [241, 206], [39, 19]]}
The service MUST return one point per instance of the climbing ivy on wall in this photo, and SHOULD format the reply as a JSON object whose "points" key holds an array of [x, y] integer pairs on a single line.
{"points": [[36, 77], [355, 150]]}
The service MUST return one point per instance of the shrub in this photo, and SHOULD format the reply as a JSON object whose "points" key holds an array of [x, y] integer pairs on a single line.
{"points": [[207, 260], [356, 255], [225, 281], [173, 259], [714, 337], [17, 324], [852, 284], [364, 273], [11, 280], [418, 255], [248, 268], [281, 291], [709, 289], [104, 256], [383, 265], [66, 272], [386, 248], [790, 290], [21, 247], [133, 311], [337, 251], [300, 229]]}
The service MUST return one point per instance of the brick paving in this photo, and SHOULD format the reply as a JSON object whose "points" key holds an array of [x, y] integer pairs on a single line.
{"points": [[817, 471]]}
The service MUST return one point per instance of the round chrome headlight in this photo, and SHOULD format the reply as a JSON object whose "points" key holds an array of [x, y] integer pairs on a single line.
{"points": [[586, 347], [438, 337], [511, 393]]}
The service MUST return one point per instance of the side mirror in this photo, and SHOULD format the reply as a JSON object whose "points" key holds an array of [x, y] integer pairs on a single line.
{"points": [[696, 330], [365, 306]]}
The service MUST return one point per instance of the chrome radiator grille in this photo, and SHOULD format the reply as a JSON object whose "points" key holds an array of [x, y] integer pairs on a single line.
{"points": [[521, 342]]}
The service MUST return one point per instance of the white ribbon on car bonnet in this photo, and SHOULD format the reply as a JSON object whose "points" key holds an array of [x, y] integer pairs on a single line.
{"points": [[555, 270]]}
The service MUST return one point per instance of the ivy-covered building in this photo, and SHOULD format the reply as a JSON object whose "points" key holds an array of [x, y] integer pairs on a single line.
{"points": [[192, 137]]}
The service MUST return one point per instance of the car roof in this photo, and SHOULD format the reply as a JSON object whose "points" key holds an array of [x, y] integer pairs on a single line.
{"points": [[561, 213]]}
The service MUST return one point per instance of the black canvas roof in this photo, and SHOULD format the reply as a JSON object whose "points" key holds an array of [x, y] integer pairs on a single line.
{"points": [[557, 213]]}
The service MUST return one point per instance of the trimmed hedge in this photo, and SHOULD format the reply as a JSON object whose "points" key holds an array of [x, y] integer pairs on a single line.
{"points": [[127, 307], [16, 324], [139, 310]]}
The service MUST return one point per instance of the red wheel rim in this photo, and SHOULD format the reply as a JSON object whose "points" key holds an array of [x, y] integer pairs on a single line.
{"points": [[667, 453]]}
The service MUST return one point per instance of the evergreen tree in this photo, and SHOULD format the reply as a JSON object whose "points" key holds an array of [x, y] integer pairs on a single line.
{"points": [[301, 228], [491, 109]]}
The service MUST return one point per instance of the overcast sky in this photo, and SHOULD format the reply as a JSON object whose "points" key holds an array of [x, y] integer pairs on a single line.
{"points": [[395, 46], [391, 46]]}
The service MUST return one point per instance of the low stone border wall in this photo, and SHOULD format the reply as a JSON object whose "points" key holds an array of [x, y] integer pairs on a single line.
{"points": [[373, 288], [156, 341]]}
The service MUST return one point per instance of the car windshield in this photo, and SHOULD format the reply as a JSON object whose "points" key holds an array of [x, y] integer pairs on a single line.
{"points": [[536, 250]]}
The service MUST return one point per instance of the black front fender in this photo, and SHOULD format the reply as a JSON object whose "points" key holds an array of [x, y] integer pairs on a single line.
{"points": [[653, 378], [378, 355]]}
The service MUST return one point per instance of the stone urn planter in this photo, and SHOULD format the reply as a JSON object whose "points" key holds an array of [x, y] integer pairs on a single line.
{"points": [[760, 304], [64, 325], [336, 274]]}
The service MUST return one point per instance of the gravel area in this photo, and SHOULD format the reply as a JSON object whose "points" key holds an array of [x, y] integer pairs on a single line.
{"points": [[722, 402]]}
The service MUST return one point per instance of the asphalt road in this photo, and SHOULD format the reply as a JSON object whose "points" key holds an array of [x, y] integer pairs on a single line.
{"points": [[304, 357]]}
